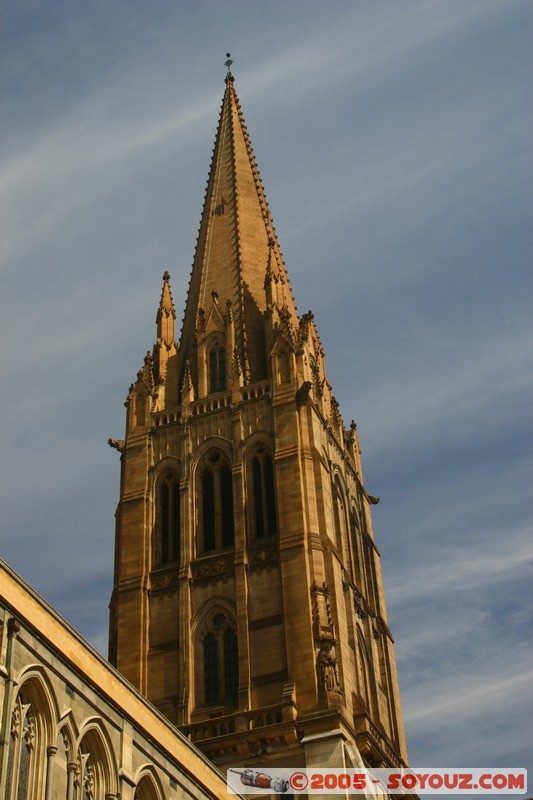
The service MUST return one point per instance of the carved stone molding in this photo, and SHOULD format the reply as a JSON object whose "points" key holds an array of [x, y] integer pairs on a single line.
{"points": [[164, 581], [260, 557], [211, 569]]}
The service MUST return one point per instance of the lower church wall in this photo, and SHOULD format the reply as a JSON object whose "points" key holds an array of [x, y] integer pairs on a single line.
{"points": [[72, 727]]}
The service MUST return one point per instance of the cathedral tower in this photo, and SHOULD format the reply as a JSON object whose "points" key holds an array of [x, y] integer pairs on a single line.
{"points": [[248, 602]]}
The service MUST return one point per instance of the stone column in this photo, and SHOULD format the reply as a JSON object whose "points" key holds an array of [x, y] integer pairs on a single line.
{"points": [[50, 755], [72, 768]]}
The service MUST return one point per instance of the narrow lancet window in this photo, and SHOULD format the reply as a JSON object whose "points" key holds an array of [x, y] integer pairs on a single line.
{"points": [[217, 368], [216, 519], [220, 661], [168, 520], [263, 495]]}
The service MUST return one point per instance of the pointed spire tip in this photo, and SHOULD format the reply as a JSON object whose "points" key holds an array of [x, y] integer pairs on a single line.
{"points": [[228, 63]]}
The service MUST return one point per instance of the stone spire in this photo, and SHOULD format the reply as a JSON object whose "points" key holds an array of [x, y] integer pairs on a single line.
{"points": [[236, 241]]}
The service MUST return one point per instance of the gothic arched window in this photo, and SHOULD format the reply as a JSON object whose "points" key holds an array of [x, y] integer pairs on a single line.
{"points": [[220, 662], [168, 519], [263, 495], [21, 749], [217, 527], [94, 774], [146, 789], [217, 368]]}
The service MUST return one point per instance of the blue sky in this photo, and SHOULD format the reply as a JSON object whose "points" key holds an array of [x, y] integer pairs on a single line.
{"points": [[394, 143]]}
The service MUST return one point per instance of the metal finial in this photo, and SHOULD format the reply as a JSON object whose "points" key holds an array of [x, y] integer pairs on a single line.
{"points": [[228, 64]]}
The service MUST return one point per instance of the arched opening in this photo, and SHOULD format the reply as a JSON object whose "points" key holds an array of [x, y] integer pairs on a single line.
{"points": [[95, 776], [146, 789], [29, 737]]}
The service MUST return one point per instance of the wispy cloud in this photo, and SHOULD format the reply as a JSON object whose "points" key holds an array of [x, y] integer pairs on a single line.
{"points": [[464, 571]]}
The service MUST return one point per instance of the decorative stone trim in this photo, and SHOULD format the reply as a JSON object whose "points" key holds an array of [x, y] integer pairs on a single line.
{"points": [[210, 569], [164, 581], [262, 556]]}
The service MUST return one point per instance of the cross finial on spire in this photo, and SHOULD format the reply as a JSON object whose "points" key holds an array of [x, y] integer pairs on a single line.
{"points": [[228, 64]]}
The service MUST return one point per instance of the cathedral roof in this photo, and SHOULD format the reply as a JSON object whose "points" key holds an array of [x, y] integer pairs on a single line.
{"points": [[236, 245]]}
